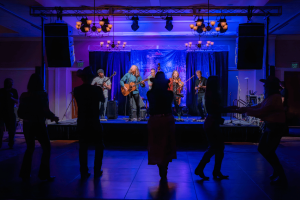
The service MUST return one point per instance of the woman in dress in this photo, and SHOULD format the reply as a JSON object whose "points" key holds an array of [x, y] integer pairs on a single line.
{"points": [[175, 85], [161, 125], [212, 128]]}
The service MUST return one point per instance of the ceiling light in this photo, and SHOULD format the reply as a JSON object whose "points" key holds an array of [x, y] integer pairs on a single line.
{"points": [[169, 25], [212, 23], [135, 23], [89, 22], [191, 26]]}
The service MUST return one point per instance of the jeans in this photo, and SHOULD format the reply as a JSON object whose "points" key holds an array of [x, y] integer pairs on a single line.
{"points": [[136, 98], [102, 108], [216, 144], [90, 133], [201, 104], [31, 131], [269, 142], [9, 121]]}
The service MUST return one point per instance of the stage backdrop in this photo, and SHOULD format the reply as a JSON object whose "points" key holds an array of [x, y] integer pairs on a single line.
{"points": [[187, 63]]}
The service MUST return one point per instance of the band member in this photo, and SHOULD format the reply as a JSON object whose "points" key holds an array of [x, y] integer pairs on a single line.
{"points": [[175, 86], [200, 86], [158, 67], [152, 75], [105, 84], [133, 75]]}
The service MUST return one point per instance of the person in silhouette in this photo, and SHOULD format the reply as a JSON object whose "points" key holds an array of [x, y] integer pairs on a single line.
{"points": [[34, 110], [272, 112], [161, 125], [212, 129], [89, 128], [8, 99]]}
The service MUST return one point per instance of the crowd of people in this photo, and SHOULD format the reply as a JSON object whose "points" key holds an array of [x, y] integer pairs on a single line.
{"points": [[34, 110]]}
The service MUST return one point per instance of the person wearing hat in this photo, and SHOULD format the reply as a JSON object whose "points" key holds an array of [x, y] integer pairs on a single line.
{"points": [[161, 125], [103, 82], [89, 128], [271, 111]]}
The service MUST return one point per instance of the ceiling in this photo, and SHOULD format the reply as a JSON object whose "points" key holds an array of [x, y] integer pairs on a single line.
{"points": [[15, 20]]}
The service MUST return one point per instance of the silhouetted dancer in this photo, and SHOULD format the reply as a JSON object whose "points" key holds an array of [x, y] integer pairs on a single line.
{"points": [[271, 111], [8, 99], [161, 125], [212, 128], [89, 128], [34, 110]]}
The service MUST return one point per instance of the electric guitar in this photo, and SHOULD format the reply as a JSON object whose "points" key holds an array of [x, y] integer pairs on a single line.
{"points": [[130, 87]]}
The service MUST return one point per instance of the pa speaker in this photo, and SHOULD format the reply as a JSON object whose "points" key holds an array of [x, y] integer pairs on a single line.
{"points": [[250, 46], [112, 110], [59, 46]]}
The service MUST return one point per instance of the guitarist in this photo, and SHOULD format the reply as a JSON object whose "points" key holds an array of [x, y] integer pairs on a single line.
{"points": [[133, 75], [175, 85], [101, 81], [200, 86]]}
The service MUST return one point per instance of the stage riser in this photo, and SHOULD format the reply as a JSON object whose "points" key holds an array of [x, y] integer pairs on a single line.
{"points": [[137, 133]]}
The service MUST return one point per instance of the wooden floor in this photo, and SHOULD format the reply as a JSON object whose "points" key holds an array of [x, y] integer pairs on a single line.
{"points": [[128, 176]]}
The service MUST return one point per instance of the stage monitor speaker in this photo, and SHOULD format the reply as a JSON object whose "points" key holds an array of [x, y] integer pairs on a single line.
{"points": [[250, 46], [59, 46], [112, 110]]}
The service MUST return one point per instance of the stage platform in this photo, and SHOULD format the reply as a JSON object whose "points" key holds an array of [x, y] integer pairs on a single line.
{"points": [[188, 131]]}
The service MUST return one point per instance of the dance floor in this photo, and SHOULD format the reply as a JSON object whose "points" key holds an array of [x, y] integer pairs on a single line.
{"points": [[127, 175]]}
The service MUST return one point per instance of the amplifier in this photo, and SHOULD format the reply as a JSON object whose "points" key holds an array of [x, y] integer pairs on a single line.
{"points": [[142, 113], [112, 110]]}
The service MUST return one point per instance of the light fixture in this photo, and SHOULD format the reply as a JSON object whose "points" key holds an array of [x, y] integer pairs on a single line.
{"points": [[223, 25], [199, 45], [89, 27], [111, 44], [191, 26], [169, 25], [135, 23]]}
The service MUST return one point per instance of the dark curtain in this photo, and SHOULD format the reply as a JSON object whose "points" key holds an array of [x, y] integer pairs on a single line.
{"points": [[111, 62], [210, 63]]}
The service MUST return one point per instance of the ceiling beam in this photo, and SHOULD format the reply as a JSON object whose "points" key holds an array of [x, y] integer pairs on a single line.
{"points": [[156, 11]]}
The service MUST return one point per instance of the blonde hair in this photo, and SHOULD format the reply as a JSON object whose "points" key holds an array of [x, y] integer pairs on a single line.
{"points": [[137, 72], [174, 72]]}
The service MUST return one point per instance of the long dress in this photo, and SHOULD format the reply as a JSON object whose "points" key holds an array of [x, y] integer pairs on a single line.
{"points": [[161, 128]]}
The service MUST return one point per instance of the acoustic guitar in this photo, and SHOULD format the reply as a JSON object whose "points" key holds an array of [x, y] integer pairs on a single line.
{"points": [[107, 78], [130, 87]]}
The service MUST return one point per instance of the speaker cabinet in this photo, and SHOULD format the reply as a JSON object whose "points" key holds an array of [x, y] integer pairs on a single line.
{"points": [[112, 110], [250, 46], [59, 46]]}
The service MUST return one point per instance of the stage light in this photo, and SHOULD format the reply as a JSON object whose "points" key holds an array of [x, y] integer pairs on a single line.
{"points": [[169, 25], [135, 23]]}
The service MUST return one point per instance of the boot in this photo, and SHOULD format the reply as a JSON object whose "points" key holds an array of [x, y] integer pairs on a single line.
{"points": [[163, 170], [199, 170]]}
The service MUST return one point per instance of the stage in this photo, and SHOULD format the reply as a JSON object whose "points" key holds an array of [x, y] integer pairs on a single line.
{"points": [[121, 130]]}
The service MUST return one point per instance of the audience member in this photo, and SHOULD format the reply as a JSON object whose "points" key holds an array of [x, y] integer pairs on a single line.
{"points": [[89, 128], [34, 110], [8, 99], [161, 125], [212, 128], [271, 111]]}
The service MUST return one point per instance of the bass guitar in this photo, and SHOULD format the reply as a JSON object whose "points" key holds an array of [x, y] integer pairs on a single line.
{"points": [[130, 87]]}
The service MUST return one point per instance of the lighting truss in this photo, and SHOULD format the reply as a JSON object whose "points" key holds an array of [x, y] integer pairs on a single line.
{"points": [[156, 11]]}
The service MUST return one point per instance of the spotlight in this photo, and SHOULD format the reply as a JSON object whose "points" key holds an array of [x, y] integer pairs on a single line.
{"points": [[135, 23], [169, 25]]}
